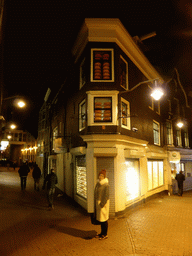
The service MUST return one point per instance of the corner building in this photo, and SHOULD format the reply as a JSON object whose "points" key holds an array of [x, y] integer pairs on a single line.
{"points": [[107, 122]]}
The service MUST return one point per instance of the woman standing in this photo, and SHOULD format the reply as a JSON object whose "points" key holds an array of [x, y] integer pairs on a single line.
{"points": [[101, 197]]}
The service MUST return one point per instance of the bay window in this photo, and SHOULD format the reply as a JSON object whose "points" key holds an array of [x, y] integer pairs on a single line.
{"points": [[102, 67], [102, 108]]}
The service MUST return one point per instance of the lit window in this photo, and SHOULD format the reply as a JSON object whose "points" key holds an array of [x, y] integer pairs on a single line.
{"points": [[186, 139], [81, 176], [102, 65], [169, 133], [155, 174], [178, 138], [82, 115], [156, 133], [125, 113], [154, 104], [123, 73], [102, 109], [132, 179]]}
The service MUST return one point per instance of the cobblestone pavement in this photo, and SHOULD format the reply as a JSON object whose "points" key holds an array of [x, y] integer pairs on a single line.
{"points": [[160, 227]]}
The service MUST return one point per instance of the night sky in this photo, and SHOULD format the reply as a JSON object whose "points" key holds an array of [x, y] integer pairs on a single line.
{"points": [[38, 37]]}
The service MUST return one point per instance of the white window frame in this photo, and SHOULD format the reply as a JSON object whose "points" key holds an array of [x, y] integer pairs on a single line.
{"points": [[159, 127], [128, 126], [80, 115], [126, 63], [90, 107], [112, 64]]}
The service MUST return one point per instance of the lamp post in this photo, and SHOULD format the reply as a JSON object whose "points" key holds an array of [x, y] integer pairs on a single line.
{"points": [[157, 92]]}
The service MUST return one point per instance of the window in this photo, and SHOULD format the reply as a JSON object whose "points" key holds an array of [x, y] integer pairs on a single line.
{"points": [[125, 114], [178, 138], [55, 136], [169, 133], [102, 109], [102, 65], [156, 133], [155, 174], [81, 176], [132, 179], [123, 73], [82, 74], [186, 139], [154, 104], [82, 115]]}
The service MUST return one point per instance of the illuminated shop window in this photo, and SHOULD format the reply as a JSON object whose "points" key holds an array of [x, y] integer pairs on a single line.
{"points": [[81, 176], [102, 65], [155, 174], [82, 115], [156, 133], [123, 73], [132, 180], [102, 109]]}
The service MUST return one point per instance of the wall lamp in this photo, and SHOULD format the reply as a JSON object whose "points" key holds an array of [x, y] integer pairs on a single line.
{"points": [[157, 92]]}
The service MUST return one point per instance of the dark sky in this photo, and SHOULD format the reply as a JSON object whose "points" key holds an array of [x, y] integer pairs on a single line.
{"points": [[38, 37]]}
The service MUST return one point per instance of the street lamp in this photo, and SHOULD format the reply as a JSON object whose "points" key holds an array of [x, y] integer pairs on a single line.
{"points": [[157, 92]]}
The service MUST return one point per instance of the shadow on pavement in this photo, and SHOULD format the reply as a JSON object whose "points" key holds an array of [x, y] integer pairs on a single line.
{"points": [[76, 232]]}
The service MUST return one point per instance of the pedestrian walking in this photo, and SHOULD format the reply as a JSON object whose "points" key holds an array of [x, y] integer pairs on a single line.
{"points": [[180, 179], [36, 174], [50, 180], [101, 198], [23, 173]]}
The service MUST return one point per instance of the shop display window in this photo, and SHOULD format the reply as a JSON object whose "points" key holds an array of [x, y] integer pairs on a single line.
{"points": [[155, 174], [103, 109], [102, 65], [132, 180], [81, 176]]}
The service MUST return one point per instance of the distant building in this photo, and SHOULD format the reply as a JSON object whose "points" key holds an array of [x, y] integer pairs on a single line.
{"points": [[97, 121], [18, 146]]}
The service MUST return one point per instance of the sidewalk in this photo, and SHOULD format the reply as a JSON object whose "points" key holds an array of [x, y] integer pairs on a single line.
{"points": [[162, 226]]}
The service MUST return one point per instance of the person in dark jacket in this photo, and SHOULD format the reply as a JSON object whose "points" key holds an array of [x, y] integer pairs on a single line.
{"points": [[180, 178], [50, 180], [36, 176], [23, 173]]}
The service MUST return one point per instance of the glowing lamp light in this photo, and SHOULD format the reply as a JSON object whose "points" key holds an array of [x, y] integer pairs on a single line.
{"points": [[21, 104], [180, 124], [13, 126], [157, 94]]}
